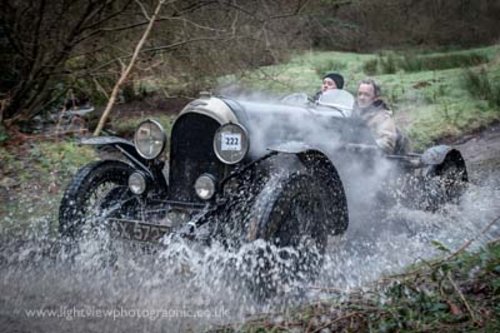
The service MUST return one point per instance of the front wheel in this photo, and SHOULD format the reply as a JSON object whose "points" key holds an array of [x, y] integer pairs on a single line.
{"points": [[293, 213], [98, 191], [292, 217]]}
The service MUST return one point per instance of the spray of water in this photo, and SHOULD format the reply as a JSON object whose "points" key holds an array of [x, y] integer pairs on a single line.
{"points": [[124, 287]]}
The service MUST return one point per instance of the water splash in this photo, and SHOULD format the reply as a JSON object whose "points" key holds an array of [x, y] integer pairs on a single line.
{"points": [[125, 287]]}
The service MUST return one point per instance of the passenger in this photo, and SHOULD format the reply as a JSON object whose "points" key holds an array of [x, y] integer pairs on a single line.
{"points": [[378, 117], [330, 81]]}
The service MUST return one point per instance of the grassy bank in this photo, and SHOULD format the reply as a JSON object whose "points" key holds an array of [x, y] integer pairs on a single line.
{"points": [[458, 293], [33, 177], [433, 95]]}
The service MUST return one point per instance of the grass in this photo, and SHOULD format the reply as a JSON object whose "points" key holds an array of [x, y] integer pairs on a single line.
{"points": [[458, 293], [35, 176], [482, 86], [431, 97], [391, 62]]}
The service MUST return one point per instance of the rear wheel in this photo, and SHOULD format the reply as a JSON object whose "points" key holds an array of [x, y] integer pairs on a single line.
{"points": [[98, 191], [446, 183]]}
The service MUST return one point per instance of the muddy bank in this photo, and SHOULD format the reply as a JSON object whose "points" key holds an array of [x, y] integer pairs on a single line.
{"points": [[481, 152]]}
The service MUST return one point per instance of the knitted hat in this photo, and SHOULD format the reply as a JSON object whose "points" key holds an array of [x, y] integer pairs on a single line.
{"points": [[337, 78]]}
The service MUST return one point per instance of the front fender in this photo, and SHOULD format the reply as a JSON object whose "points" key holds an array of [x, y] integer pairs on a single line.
{"points": [[318, 163], [126, 147], [292, 147]]}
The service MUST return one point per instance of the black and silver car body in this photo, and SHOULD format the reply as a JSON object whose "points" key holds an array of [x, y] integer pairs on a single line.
{"points": [[284, 171]]}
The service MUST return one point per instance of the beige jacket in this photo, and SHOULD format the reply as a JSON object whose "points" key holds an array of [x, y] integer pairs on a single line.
{"points": [[378, 118]]}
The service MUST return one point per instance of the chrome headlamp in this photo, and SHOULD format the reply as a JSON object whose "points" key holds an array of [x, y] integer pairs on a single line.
{"points": [[150, 139], [137, 183], [205, 186], [231, 143]]}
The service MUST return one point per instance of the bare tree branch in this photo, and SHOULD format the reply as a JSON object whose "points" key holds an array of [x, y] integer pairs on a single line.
{"points": [[144, 11], [164, 48], [125, 73], [109, 17], [300, 7]]}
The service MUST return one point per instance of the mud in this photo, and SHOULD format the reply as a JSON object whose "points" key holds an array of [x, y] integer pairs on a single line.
{"points": [[482, 155]]}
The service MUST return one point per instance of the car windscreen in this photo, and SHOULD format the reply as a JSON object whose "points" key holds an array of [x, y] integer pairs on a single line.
{"points": [[337, 100]]}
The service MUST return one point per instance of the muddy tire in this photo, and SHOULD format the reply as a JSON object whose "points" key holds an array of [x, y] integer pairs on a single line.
{"points": [[293, 220], [445, 183], [97, 191], [282, 224]]}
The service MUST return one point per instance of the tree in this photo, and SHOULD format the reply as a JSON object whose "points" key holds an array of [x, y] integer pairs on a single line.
{"points": [[127, 70], [44, 43], [39, 38]]}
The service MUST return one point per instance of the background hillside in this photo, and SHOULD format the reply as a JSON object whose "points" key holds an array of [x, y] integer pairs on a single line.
{"points": [[434, 95]]}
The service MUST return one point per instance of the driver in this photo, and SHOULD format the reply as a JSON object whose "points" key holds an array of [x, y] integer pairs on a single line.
{"points": [[378, 117], [330, 81]]}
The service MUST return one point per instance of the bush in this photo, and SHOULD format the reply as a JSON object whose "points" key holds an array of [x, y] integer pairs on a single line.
{"points": [[387, 63], [480, 86], [3, 134], [370, 67], [391, 62], [495, 96], [411, 63], [331, 65]]}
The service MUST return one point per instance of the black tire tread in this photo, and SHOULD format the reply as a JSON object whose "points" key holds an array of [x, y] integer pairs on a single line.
{"points": [[79, 187]]}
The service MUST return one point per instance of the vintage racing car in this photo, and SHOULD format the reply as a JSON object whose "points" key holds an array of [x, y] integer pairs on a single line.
{"points": [[286, 171]]}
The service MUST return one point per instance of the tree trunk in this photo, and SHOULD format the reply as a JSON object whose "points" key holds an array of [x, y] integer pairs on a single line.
{"points": [[127, 70]]}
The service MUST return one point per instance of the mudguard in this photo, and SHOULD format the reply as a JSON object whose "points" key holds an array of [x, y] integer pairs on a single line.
{"points": [[436, 157], [126, 147], [292, 147], [322, 166], [104, 140], [437, 154]]}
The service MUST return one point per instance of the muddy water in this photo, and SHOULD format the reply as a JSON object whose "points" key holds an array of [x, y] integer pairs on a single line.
{"points": [[44, 287]]}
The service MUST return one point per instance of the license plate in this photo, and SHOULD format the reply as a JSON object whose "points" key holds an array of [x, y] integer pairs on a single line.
{"points": [[139, 231]]}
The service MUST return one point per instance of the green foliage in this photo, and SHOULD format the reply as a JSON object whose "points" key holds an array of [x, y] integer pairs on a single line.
{"points": [[370, 67], [390, 62], [45, 163], [59, 160], [332, 65], [459, 293], [3, 134], [38, 175], [480, 86], [413, 63]]}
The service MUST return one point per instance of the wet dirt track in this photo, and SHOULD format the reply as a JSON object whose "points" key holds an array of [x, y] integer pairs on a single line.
{"points": [[183, 289]]}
